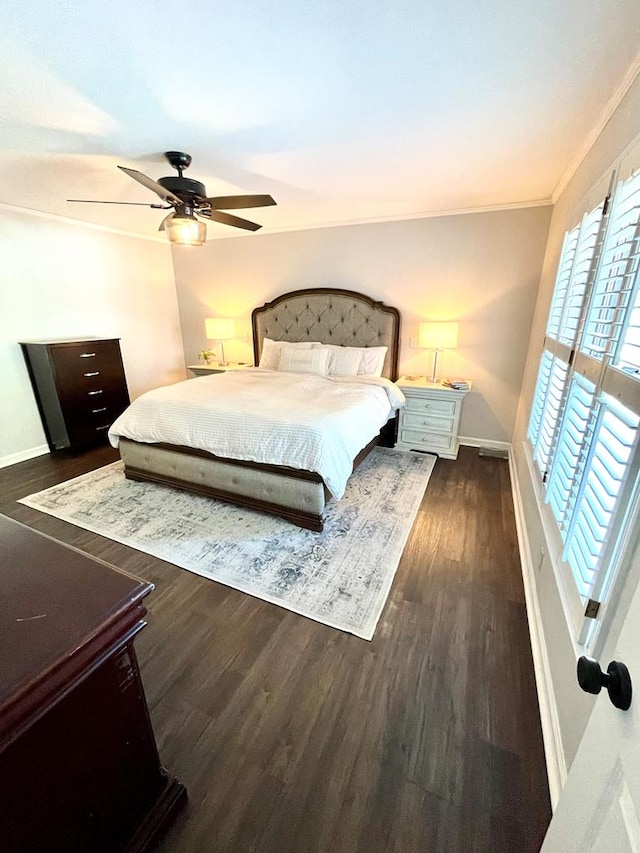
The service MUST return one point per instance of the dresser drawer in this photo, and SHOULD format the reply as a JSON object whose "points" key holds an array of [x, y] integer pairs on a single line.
{"points": [[82, 362], [83, 431], [99, 391], [431, 405], [436, 441], [427, 421]]}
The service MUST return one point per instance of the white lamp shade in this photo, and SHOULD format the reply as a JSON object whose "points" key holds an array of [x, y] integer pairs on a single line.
{"points": [[219, 328], [438, 335]]}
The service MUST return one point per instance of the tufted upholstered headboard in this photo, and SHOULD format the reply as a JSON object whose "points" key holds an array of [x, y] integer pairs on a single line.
{"points": [[332, 316]]}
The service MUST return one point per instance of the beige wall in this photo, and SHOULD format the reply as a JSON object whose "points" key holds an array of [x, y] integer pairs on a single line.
{"points": [[587, 186], [481, 269], [60, 280]]}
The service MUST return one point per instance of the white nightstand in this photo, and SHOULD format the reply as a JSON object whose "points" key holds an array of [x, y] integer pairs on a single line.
{"points": [[206, 369], [431, 417]]}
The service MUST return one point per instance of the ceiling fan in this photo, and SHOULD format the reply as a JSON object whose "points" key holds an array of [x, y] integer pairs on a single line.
{"points": [[190, 203]]}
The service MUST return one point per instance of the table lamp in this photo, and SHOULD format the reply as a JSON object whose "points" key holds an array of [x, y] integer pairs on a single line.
{"points": [[437, 336], [220, 329]]}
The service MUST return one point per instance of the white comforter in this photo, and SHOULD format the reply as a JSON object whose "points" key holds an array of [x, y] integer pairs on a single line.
{"points": [[301, 420]]}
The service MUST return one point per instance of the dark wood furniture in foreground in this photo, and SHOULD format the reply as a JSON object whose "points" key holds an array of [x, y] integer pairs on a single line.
{"points": [[79, 768], [80, 388]]}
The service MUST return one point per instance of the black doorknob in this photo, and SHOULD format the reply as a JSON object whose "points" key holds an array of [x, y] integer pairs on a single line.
{"points": [[616, 679]]}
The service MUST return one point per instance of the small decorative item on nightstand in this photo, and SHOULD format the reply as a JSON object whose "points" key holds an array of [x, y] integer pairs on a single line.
{"points": [[431, 417]]}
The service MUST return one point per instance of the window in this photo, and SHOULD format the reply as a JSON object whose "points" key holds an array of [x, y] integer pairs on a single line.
{"points": [[585, 416]]}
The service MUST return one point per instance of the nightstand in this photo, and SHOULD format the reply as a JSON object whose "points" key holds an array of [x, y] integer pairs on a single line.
{"points": [[430, 418], [206, 369]]}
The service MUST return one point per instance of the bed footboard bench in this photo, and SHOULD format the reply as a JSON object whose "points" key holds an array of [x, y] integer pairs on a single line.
{"points": [[298, 496]]}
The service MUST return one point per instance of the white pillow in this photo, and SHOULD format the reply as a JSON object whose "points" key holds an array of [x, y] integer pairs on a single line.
{"points": [[343, 361], [372, 361], [270, 356], [304, 360]]}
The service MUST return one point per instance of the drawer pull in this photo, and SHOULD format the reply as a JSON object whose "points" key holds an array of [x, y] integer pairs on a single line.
{"points": [[93, 393], [97, 411], [87, 355], [93, 373], [106, 426]]}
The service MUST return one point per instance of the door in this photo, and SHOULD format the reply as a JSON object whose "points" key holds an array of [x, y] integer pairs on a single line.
{"points": [[599, 808]]}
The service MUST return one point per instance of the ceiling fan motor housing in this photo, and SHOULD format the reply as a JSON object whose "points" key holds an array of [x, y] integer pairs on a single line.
{"points": [[184, 187]]}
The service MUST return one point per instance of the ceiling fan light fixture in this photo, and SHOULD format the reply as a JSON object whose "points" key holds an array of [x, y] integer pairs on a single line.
{"points": [[184, 229]]}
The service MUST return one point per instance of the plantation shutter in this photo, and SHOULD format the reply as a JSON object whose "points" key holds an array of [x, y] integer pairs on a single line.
{"points": [[563, 278], [585, 416], [607, 455], [572, 447], [584, 264], [610, 316], [553, 373]]}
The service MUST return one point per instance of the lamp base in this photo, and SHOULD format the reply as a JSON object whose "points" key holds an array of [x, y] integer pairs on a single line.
{"points": [[434, 377]]}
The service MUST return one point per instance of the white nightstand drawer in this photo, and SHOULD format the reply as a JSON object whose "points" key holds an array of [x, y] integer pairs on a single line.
{"points": [[431, 440], [428, 421], [431, 405]]}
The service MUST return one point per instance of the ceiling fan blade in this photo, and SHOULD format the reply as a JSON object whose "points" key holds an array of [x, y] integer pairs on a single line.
{"points": [[165, 220], [235, 202], [137, 203], [228, 219], [150, 184]]}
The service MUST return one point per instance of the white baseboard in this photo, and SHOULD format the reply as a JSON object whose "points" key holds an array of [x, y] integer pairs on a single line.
{"points": [[554, 752], [23, 455], [469, 441]]}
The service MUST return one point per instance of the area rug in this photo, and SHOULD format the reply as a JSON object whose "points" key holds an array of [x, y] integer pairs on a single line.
{"points": [[340, 577]]}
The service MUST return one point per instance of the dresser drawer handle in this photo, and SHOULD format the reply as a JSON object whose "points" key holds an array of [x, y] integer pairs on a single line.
{"points": [[93, 393], [93, 373], [87, 355], [97, 411], [106, 426]]}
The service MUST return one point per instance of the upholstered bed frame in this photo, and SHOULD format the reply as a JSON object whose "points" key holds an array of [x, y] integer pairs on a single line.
{"points": [[329, 315]]}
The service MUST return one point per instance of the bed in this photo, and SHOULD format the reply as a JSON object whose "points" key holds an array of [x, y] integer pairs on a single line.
{"points": [[331, 316]]}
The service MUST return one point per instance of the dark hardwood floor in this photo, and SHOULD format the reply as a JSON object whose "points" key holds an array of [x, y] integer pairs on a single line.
{"points": [[292, 737]]}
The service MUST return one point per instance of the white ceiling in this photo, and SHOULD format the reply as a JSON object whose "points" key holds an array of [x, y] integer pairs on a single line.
{"points": [[343, 110]]}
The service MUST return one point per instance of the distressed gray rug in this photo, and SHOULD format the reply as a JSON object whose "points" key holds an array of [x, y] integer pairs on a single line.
{"points": [[340, 577]]}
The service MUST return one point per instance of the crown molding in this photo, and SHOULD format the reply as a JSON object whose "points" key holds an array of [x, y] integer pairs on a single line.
{"points": [[605, 117], [402, 217], [67, 220], [433, 214]]}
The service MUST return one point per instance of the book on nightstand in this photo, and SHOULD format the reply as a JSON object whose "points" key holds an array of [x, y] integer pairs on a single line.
{"points": [[456, 384]]}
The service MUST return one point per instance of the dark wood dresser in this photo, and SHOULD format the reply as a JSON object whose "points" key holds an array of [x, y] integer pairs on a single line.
{"points": [[80, 388], [79, 768]]}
